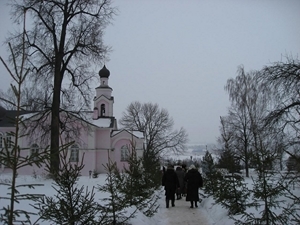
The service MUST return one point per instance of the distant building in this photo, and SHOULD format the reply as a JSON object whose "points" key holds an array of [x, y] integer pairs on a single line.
{"points": [[101, 142]]}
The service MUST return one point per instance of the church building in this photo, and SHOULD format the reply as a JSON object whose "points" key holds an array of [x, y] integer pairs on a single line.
{"points": [[100, 143]]}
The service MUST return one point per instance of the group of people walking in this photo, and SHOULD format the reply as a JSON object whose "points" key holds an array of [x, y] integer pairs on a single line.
{"points": [[183, 183]]}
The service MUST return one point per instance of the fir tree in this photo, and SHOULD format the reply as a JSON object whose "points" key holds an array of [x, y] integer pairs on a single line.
{"points": [[229, 161], [72, 204], [293, 163], [211, 176], [151, 166], [135, 187], [233, 195], [268, 187], [116, 206]]}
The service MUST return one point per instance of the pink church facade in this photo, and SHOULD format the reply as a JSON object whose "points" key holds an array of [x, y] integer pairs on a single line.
{"points": [[98, 143]]}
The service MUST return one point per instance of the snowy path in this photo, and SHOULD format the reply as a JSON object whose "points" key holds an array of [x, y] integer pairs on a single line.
{"points": [[182, 214]]}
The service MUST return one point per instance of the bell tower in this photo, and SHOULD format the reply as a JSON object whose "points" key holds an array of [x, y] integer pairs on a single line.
{"points": [[103, 101]]}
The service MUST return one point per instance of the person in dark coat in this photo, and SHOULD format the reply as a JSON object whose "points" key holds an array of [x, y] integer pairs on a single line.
{"points": [[185, 171], [194, 182], [171, 183], [180, 174]]}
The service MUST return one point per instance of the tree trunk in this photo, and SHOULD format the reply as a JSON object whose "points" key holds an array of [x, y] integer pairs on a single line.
{"points": [[54, 146]]}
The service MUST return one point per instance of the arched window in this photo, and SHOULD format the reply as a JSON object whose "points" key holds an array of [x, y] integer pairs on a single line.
{"points": [[9, 140], [34, 151], [6, 140], [124, 153], [102, 109], [74, 156]]}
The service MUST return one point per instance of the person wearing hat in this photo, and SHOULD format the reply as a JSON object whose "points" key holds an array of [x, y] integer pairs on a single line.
{"points": [[194, 182], [171, 183]]}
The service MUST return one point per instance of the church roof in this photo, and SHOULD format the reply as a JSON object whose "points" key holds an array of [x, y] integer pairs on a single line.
{"points": [[8, 119], [135, 133], [2, 112], [104, 72]]}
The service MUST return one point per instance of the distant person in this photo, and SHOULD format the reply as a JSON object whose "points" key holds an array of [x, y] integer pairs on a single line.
{"points": [[194, 182], [180, 174], [184, 168], [184, 187], [171, 183]]}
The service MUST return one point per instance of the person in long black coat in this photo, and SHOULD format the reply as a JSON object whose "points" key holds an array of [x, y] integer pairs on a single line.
{"points": [[171, 183], [180, 174], [194, 182]]}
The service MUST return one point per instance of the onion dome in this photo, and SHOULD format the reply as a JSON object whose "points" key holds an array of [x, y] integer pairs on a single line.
{"points": [[2, 112], [104, 72]]}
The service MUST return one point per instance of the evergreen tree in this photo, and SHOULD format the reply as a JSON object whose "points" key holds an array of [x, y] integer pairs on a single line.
{"points": [[135, 187], [72, 204], [293, 208], [211, 176], [229, 161], [10, 154], [151, 166], [268, 188], [233, 195], [292, 163], [116, 206]]}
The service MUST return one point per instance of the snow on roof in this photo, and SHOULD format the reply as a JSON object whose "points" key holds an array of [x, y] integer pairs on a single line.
{"points": [[29, 115], [101, 122], [138, 134]]}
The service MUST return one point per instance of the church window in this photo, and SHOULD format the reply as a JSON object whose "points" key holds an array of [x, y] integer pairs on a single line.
{"points": [[9, 140], [74, 155], [124, 153], [34, 151], [102, 109], [6, 140]]}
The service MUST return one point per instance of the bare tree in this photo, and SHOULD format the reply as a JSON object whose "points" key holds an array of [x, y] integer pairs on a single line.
{"points": [[243, 99], [250, 102], [32, 99], [283, 79], [157, 126], [64, 40]]}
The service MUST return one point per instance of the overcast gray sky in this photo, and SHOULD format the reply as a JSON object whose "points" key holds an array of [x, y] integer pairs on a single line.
{"points": [[180, 54]]}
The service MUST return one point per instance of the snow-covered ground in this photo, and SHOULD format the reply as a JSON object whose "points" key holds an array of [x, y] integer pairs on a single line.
{"points": [[206, 213]]}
